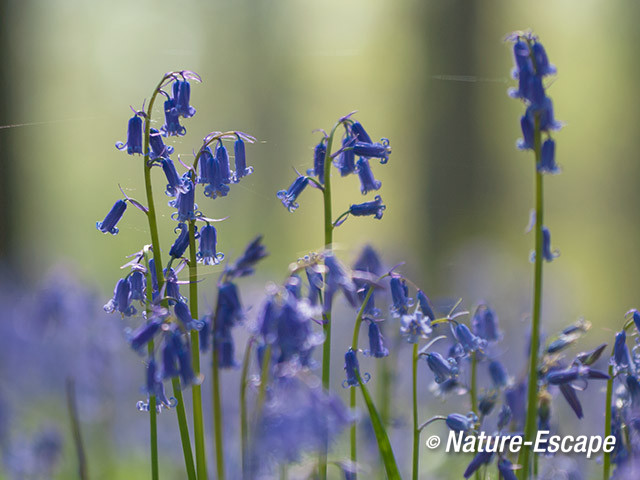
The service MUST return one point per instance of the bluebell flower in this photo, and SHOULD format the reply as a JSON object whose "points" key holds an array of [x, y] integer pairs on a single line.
{"points": [[187, 375], [360, 133], [373, 150], [121, 300], [289, 197], [376, 345], [225, 350], [369, 261], [415, 326], [469, 341], [548, 162], [222, 158], [229, 308], [137, 285], [185, 203], [636, 319], [181, 243], [172, 344], [319, 154], [481, 458], [175, 183], [545, 112], [425, 305], [134, 136], [283, 434], [399, 296], [347, 159], [172, 288], [182, 97], [528, 132], [293, 285], [158, 148], [443, 369], [315, 285], [485, 324], [205, 333], [621, 357], [145, 333], [207, 166], [461, 423], [547, 253], [351, 366], [213, 174], [241, 161], [566, 376], [498, 374], [543, 67], [154, 386], [336, 278], [504, 417], [154, 278], [374, 208], [506, 469], [295, 338], [172, 125], [108, 225], [245, 264], [368, 183], [486, 403], [516, 399], [590, 357], [207, 253], [569, 394], [183, 314], [633, 387]]}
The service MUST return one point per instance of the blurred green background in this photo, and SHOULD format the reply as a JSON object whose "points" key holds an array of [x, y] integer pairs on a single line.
{"points": [[429, 75]]}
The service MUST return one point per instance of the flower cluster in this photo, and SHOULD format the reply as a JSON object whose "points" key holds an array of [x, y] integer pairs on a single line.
{"points": [[356, 142]]}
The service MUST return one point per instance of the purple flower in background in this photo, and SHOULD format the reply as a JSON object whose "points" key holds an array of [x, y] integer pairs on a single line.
{"points": [[400, 296], [548, 158], [485, 324], [108, 225], [245, 264], [376, 345], [352, 369], [443, 369]]}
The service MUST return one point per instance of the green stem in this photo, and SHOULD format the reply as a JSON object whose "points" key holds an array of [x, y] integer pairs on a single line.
{"points": [[153, 426], [184, 429], [416, 432], [196, 390], [352, 391], [244, 423], [155, 244], [264, 379], [607, 425], [217, 402], [77, 435], [532, 389], [328, 241]]}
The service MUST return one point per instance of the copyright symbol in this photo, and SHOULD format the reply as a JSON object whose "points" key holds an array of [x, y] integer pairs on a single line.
{"points": [[432, 442]]}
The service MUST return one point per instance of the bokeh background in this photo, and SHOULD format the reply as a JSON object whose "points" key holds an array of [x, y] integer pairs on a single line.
{"points": [[429, 75]]}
